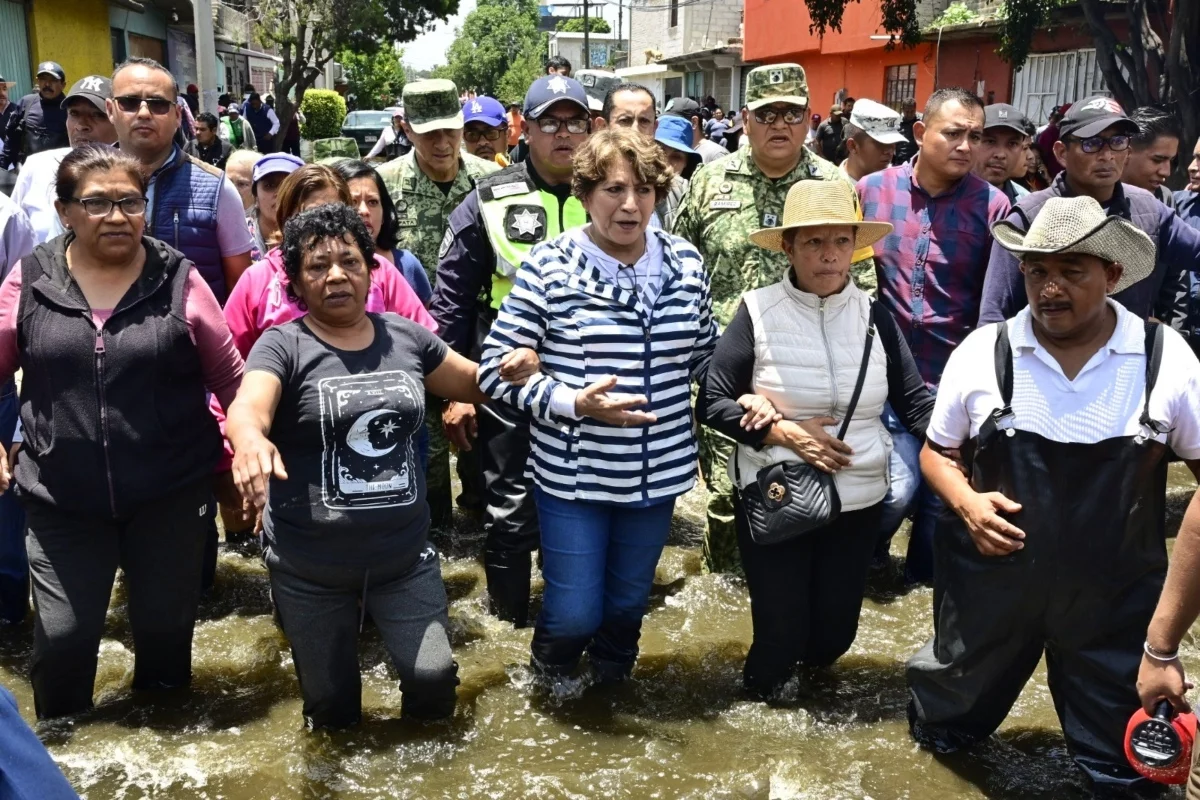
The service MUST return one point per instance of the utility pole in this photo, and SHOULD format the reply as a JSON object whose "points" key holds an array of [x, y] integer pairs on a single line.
{"points": [[587, 51], [620, 39], [206, 54]]}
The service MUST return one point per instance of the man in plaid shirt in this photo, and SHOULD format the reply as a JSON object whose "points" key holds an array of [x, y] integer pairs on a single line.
{"points": [[930, 271]]}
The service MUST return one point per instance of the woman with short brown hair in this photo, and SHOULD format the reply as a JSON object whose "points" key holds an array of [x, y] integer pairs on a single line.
{"points": [[622, 320]]}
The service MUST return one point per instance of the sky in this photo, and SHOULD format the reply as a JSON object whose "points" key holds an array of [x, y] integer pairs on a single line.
{"points": [[429, 49]]}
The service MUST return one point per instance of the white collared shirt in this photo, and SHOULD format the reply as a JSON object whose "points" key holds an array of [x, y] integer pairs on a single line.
{"points": [[36, 190], [1104, 400]]}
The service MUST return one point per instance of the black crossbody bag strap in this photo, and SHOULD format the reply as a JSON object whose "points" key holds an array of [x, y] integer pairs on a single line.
{"points": [[1004, 365], [1154, 352], [862, 370]]}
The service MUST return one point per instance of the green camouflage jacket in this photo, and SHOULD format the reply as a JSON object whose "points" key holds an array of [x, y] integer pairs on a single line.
{"points": [[421, 209], [727, 200]]}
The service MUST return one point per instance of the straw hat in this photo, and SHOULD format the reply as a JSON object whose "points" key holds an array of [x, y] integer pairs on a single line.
{"points": [[1079, 225], [810, 203]]}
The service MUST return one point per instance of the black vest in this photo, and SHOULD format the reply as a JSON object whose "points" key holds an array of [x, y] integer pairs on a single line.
{"points": [[116, 418]]}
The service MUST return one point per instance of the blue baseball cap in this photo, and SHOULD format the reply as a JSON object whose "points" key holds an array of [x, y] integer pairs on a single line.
{"points": [[285, 163], [676, 133], [484, 109], [550, 89]]}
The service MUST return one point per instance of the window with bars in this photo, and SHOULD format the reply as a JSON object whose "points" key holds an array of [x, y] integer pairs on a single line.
{"points": [[899, 83]]}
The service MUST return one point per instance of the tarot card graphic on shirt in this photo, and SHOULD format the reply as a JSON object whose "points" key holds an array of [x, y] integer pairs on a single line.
{"points": [[368, 424]]}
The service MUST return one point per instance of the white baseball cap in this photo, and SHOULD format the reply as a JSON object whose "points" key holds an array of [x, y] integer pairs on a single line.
{"points": [[878, 121]]}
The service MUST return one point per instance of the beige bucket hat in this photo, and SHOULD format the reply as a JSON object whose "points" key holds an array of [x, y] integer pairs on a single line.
{"points": [[812, 202], [1079, 225]]}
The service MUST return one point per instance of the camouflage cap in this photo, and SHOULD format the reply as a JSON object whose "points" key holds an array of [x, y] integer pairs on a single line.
{"points": [[431, 105], [776, 83]]}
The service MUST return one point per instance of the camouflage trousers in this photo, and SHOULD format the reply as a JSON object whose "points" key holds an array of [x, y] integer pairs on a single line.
{"points": [[720, 535], [437, 474]]}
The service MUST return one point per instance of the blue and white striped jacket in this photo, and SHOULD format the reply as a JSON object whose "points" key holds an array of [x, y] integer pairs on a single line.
{"points": [[585, 328]]}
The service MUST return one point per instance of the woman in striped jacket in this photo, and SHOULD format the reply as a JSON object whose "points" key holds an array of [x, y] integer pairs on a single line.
{"points": [[622, 319]]}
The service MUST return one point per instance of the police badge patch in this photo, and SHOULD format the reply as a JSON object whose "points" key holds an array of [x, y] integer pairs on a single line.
{"points": [[447, 241], [525, 224]]}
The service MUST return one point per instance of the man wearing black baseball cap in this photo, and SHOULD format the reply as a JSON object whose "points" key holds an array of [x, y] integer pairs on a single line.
{"points": [[39, 122], [689, 109], [1002, 148], [1093, 146], [489, 234], [87, 123]]}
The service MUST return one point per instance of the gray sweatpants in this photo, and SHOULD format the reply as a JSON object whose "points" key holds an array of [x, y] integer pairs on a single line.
{"points": [[319, 607]]}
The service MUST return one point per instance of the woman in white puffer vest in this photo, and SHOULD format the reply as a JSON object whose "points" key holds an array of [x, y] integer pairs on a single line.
{"points": [[800, 343]]}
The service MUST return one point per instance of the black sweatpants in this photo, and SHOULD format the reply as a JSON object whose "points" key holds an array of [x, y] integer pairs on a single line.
{"points": [[805, 595], [73, 561], [319, 607]]}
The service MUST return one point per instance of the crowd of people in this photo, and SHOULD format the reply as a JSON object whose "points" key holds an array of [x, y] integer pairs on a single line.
{"points": [[837, 325]]}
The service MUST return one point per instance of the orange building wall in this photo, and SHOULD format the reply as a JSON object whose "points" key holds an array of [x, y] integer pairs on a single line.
{"points": [[777, 30], [966, 62]]}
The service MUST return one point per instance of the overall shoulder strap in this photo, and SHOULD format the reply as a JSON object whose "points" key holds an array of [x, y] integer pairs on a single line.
{"points": [[862, 369], [1004, 363], [1154, 348]]}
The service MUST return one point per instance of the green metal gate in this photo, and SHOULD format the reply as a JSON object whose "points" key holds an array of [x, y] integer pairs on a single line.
{"points": [[14, 48]]}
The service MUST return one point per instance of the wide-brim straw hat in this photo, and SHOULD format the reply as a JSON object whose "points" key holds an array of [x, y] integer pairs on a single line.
{"points": [[1080, 225], [813, 202]]}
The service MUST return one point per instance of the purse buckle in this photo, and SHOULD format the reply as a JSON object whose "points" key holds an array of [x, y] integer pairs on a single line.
{"points": [[776, 492]]}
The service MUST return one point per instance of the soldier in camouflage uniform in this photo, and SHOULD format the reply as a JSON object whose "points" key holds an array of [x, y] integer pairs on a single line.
{"points": [[727, 199], [426, 185]]}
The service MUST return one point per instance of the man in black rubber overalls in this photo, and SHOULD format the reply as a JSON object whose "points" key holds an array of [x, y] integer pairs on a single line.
{"points": [[1055, 543]]}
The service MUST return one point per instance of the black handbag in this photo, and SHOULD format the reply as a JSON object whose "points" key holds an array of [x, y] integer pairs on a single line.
{"points": [[792, 498]]}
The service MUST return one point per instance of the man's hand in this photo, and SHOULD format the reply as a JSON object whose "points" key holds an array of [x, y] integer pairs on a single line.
{"points": [[759, 412], [460, 424], [518, 366], [1162, 680], [993, 535], [615, 409], [6, 471]]}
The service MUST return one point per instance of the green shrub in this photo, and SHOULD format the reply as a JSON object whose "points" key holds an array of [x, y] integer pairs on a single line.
{"points": [[324, 111]]}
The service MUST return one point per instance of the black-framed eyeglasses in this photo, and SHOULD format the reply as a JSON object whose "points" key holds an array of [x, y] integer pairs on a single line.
{"points": [[102, 206], [554, 125], [792, 116], [131, 104], [491, 134], [1094, 144]]}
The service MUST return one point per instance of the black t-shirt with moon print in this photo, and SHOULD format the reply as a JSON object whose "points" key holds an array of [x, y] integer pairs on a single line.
{"points": [[346, 428]]}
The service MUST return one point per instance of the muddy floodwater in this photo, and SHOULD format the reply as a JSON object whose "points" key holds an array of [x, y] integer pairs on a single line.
{"points": [[680, 729]]}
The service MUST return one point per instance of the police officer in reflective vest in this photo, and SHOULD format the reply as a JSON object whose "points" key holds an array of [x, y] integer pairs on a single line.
{"points": [[489, 234], [40, 121]]}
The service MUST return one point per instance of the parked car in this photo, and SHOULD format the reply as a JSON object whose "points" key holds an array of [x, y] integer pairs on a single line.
{"points": [[364, 127]]}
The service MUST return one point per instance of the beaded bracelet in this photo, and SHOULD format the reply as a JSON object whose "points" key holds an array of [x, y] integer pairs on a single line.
{"points": [[1157, 656]]}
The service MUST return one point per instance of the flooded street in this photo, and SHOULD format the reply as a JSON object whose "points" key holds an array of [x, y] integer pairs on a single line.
{"points": [[679, 729]]}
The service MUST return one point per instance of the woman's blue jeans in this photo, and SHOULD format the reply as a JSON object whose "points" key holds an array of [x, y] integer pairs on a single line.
{"points": [[598, 562]]}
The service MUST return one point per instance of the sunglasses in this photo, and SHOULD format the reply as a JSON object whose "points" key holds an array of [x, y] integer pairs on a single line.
{"points": [[102, 206], [1094, 144], [491, 134], [554, 125], [792, 116], [132, 104]]}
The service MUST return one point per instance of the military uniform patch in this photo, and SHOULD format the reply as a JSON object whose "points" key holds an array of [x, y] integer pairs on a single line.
{"points": [[447, 241], [526, 224], [719, 204], [770, 220]]}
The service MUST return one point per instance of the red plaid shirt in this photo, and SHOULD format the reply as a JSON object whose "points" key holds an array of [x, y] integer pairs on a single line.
{"points": [[931, 266]]}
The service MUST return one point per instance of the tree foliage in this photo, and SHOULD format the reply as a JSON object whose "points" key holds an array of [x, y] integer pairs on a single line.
{"points": [[897, 17], [376, 80], [498, 38], [575, 25], [309, 33], [324, 110], [525, 70]]}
